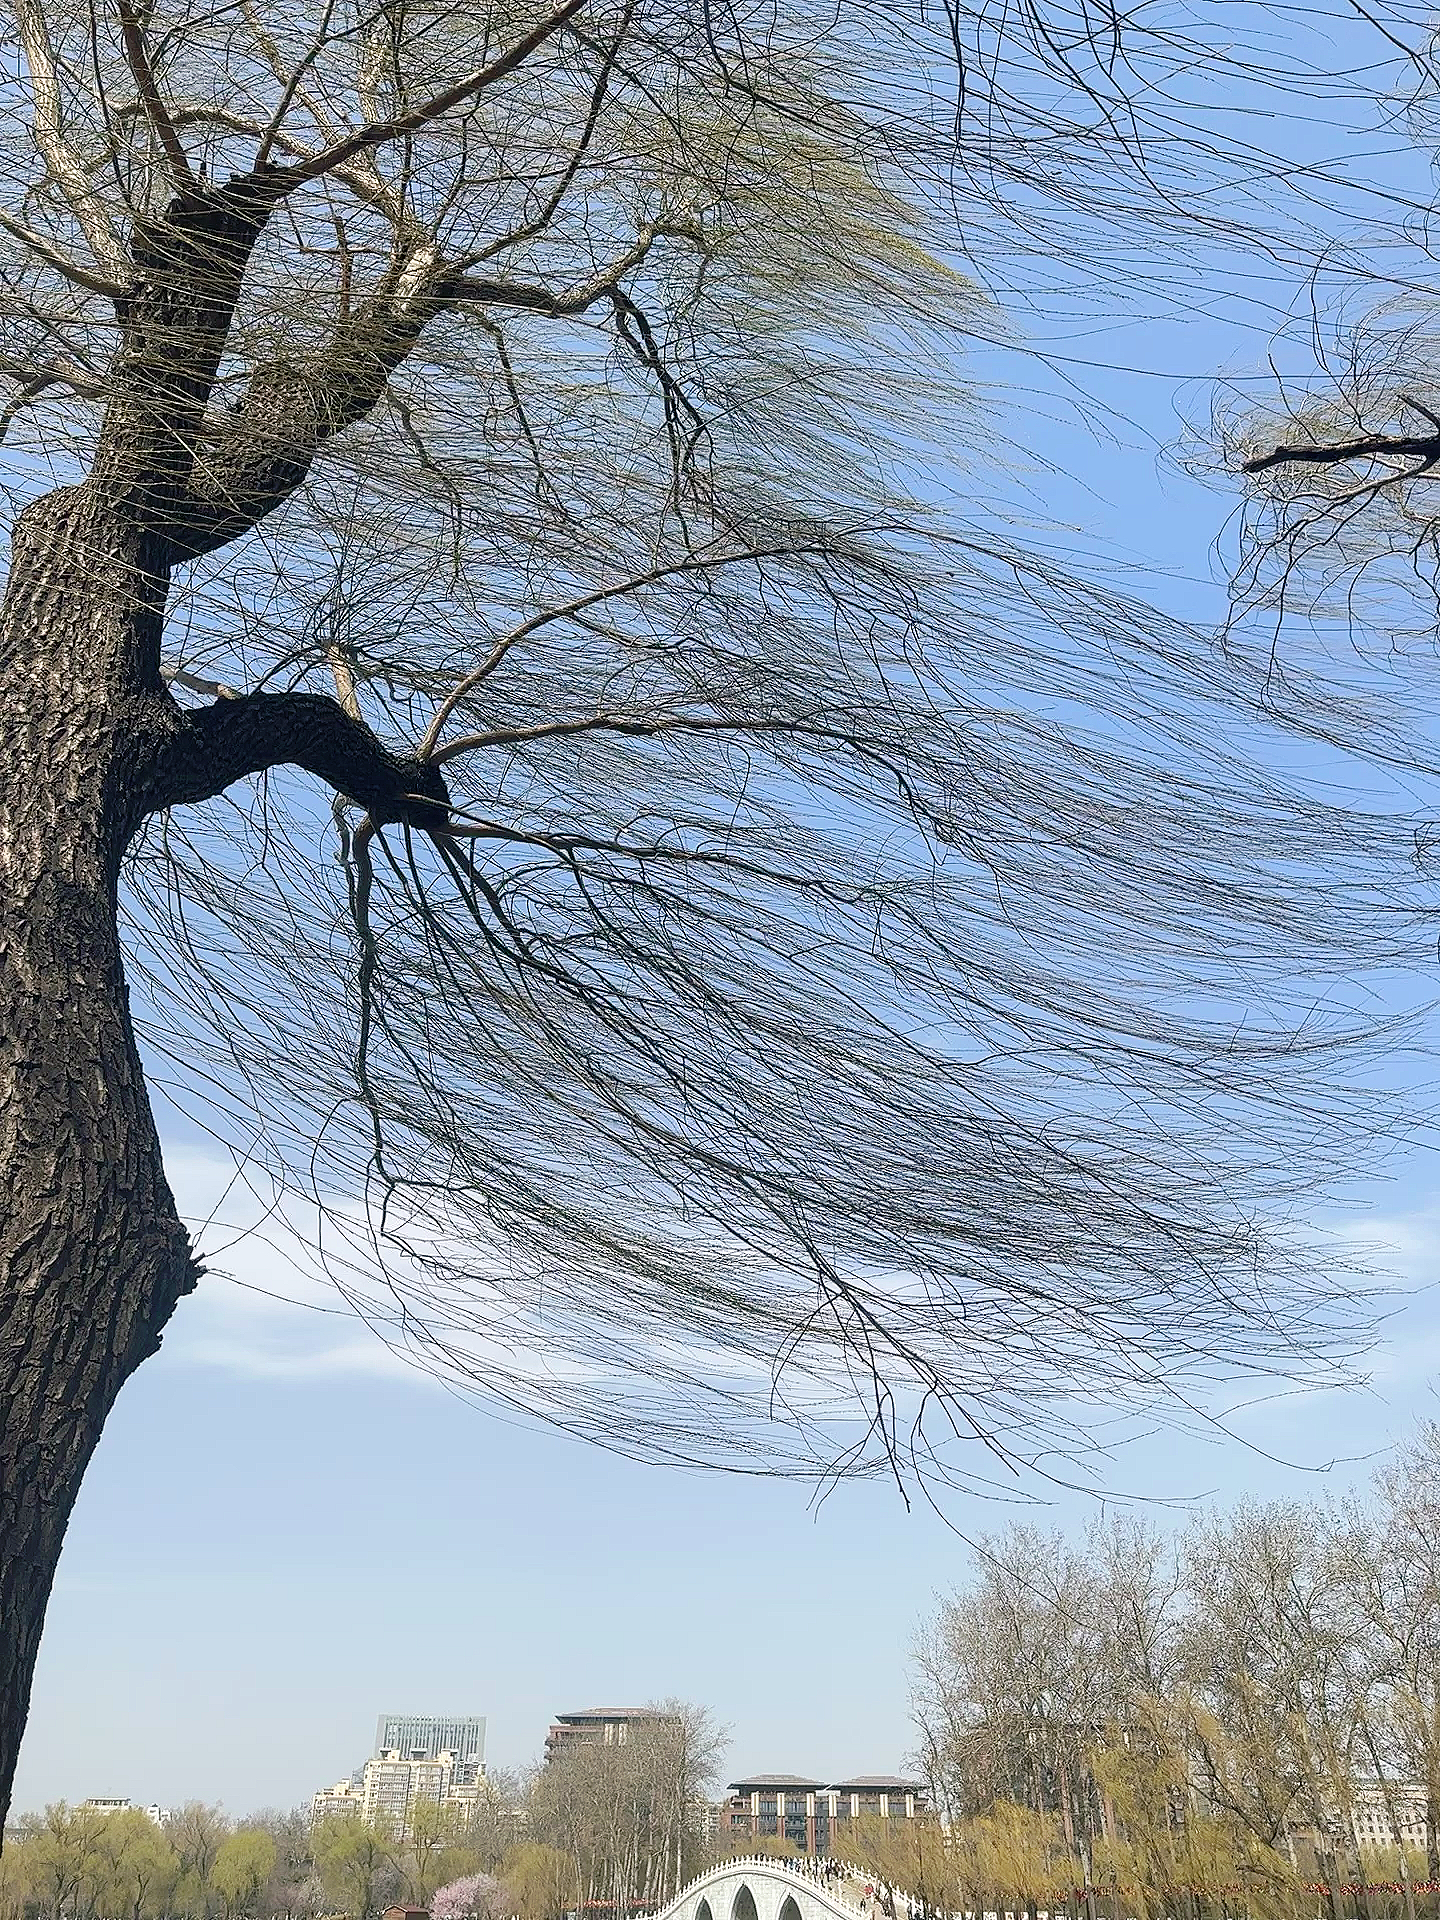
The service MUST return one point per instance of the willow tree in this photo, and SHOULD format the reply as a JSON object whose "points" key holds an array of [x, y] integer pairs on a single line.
{"points": [[697, 936]]}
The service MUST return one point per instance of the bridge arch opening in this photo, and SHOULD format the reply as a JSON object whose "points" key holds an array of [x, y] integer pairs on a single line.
{"points": [[702, 1912], [790, 1910], [742, 1907]]}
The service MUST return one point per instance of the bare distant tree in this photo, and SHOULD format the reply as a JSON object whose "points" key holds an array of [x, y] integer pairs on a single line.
{"points": [[1047, 1656], [627, 1812], [1250, 1701], [1272, 1651], [693, 940], [496, 1817], [1388, 1547], [197, 1832], [1011, 1677]]}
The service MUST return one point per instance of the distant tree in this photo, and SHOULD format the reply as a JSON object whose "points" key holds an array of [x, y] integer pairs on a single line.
{"points": [[63, 1853], [243, 1865], [356, 1864], [139, 1868], [1020, 1676], [539, 1882], [14, 1880], [1389, 1550], [197, 1832], [496, 1818], [1271, 1653], [1010, 1857], [1237, 1709], [435, 1848], [294, 1886], [915, 1855], [627, 1812], [478, 1896], [1172, 1847]]}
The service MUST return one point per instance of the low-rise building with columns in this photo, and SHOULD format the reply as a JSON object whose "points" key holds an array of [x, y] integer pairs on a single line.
{"points": [[810, 1814]]}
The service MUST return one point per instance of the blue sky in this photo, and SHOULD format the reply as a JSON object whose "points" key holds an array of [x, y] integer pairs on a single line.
{"points": [[287, 1531]]}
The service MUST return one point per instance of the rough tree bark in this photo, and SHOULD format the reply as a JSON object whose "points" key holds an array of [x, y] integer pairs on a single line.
{"points": [[93, 1255]]}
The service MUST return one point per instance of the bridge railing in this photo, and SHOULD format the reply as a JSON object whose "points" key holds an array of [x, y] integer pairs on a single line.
{"points": [[805, 1869]]}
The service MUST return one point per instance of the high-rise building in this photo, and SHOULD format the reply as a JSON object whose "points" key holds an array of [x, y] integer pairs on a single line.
{"points": [[332, 1803], [392, 1786], [417, 1757], [425, 1736], [387, 1790]]}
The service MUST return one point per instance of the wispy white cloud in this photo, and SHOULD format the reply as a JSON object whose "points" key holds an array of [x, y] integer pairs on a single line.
{"points": [[1403, 1245], [264, 1308], [366, 1358]]}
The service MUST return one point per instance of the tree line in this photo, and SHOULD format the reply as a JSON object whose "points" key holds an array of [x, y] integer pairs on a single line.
{"points": [[605, 1827], [1238, 1719]]}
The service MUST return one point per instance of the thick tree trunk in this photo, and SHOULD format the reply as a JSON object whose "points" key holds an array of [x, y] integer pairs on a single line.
{"points": [[93, 1257], [92, 1254]]}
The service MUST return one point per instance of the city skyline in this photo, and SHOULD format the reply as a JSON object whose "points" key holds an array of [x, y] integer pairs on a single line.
{"points": [[369, 1798]]}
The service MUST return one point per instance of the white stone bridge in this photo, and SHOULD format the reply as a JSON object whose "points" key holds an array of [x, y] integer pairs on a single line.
{"points": [[760, 1887]]}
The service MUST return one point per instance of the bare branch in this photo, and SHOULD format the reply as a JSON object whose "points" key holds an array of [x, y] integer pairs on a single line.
{"points": [[61, 162], [74, 271], [541, 218], [696, 563], [574, 300], [210, 748], [292, 87], [385, 131], [1424, 447], [637, 726], [137, 56]]}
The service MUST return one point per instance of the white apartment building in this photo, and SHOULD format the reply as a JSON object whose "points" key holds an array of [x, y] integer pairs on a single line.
{"points": [[1375, 1829], [390, 1787], [332, 1802], [160, 1815], [387, 1790], [417, 1757]]}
